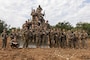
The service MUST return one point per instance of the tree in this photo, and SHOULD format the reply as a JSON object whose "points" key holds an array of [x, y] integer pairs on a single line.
{"points": [[83, 26], [3, 25], [64, 25]]}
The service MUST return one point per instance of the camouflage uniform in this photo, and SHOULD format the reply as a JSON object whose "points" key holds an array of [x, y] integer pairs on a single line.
{"points": [[84, 36], [68, 38], [26, 41], [76, 39], [63, 40], [33, 14], [38, 39], [52, 41], [43, 37], [14, 35], [34, 36], [30, 36], [71, 38], [56, 38], [47, 37], [4, 38], [17, 32]]}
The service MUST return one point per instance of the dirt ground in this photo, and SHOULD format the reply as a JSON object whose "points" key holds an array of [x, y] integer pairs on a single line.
{"points": [[45, 53]]}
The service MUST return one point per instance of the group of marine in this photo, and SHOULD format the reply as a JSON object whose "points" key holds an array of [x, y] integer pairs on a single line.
{"points": [[38, 31], [54, 38]]}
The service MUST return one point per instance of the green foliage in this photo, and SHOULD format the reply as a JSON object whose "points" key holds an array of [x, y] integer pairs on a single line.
{"points": [[83, 26], [63, 25], [3, 25]]}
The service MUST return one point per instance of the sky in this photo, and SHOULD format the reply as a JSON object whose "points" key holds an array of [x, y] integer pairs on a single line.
{"points": [[16, 12]]}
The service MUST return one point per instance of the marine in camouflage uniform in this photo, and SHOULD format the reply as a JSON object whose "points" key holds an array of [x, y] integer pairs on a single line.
{"points": [[21, 37], [40, 15], [63, 39], [34, 36], [4, 36], [47, 37], [71, 38], [47, 26], [30, 36], [14, 37], [56, 37], [17, 32], [52, 41], [76, 40], [43, 37], [59, 37], [38, 38], [68, 38], [26, 36], [84, 36], [79, 38]]}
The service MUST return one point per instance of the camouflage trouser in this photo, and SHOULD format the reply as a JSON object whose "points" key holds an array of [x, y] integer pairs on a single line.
{"points": [[34, 38], [63, 42], [38, 41], [83, 43], [52, 43], [59, 42], [74, 43], [26, 42], [30, 40], [56, 42], [71, 43], [4, 43], [44, 40]]}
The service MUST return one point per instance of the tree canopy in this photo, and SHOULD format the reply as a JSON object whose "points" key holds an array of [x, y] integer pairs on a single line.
{"points": [[83, 26], [3, 25], [64, 25]]}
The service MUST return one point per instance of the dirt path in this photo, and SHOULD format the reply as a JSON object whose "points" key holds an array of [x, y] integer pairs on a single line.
{"points": [[45, 54]]}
